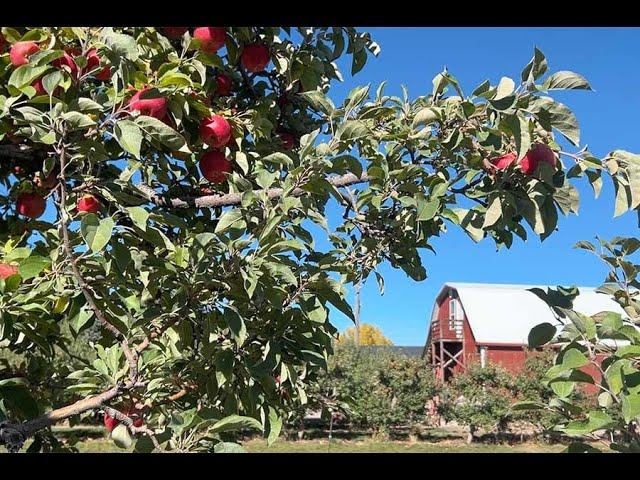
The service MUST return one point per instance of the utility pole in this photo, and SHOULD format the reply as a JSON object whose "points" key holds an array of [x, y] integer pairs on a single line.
{"points": [[356, 314]]}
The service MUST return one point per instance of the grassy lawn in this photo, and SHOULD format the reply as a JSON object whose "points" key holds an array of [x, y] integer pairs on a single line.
{"points": [[356, 446], [433, 440], [370, 446]]}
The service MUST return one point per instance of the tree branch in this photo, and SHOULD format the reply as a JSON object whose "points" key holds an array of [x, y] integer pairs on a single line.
{"points": [[131, 355], [14, 435], [230, 199]]}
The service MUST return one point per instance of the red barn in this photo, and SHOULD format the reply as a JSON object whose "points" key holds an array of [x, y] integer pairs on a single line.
{"points": [[474, 322]]}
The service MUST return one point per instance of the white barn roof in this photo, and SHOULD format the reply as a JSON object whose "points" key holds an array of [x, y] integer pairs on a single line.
{"points": [[506, 313]]}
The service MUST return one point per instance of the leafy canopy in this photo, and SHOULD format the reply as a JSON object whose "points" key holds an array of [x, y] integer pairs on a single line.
{"points": [[200, 294]]}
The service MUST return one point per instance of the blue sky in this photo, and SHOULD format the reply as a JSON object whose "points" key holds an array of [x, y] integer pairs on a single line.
{"points": [[607, 57]]}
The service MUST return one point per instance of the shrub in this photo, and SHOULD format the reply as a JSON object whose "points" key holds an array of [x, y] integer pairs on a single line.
{"points": [[382, 389]]}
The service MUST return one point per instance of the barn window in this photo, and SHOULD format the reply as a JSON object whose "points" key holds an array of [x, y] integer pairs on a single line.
{"points": [[454, 309]]}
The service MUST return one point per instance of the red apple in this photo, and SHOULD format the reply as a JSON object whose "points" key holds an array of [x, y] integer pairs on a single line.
{"points": [[20, 51], [255, 57], [68, 61], [215, 131], [37, 85], [7, 270], [538, 153], [502, 162], [30, 205], [93, 62], [223, 85], [210, 39], [88, 203], [283, 101], [152, 107], [41, 91], [134, 414], [288, 140], [110, 422], [214, 165], [174, 32]]}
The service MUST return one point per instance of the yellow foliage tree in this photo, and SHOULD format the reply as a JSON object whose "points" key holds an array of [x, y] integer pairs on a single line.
{"points": [[369, 335]]}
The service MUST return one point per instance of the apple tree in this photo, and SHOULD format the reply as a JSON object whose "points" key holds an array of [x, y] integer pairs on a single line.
{"points": [[602, 351], [163, 194]]}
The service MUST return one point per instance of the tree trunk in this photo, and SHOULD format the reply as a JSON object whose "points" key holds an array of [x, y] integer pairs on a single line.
{"points": [[470, 434]]}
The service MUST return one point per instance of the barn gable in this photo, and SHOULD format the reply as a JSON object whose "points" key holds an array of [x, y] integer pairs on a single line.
{"points": [[505, 314]]}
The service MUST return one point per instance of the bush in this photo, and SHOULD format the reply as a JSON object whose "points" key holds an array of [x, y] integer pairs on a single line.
{"points": [[382, 389], [478, 398]]}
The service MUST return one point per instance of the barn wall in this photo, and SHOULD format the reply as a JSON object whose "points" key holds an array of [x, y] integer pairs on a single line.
{"points": [[511, 358], [471, 354]]}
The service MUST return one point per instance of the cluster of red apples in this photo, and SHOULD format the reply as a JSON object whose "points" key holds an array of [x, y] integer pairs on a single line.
{"points": [[110, 422], [538, 154], [215, 131]]}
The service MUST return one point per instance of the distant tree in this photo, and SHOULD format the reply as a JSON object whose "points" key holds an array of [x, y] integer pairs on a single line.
{"points": [[369, 335], [376, 389]]}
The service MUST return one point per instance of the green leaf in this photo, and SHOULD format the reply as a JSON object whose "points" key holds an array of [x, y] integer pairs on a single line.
{"points": [[77, 121], [351, 130], [493, 214], [631, 407], [319, 101], [32, 266], [227, 220], [427, 209], [236, 324], [565, 80], [596, 421], [51, 81], [139, 217], [541, 334], [121, 44], [358, 61], [562, 388], [356, 97], [426, 116], [536, 67], [505, 88], [558, 116], [121, 437], [574, 358], [25, 75], [161, 132], [228, 447], [527, 405], [278, 158], [96, 232], [275, 426], [129, 136], [235, 422]]}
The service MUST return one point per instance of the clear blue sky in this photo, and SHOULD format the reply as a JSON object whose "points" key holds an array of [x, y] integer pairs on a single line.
{"points": [[607, 57]]}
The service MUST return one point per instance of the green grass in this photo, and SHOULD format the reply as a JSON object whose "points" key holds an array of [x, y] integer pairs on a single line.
{"points": [[371, 446], [104, 445], [433, 440]]}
